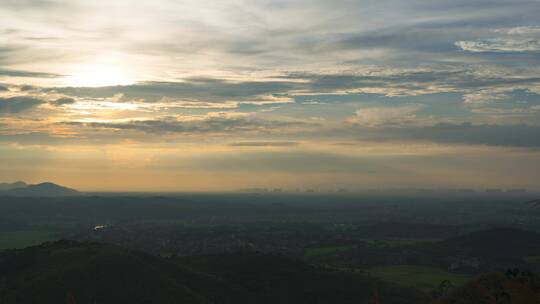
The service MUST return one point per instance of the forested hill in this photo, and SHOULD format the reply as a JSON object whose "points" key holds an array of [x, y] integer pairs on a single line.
{"points": [[72, 272]]}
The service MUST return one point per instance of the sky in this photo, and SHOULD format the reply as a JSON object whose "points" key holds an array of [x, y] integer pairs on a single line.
{"points": [[215, 95]]}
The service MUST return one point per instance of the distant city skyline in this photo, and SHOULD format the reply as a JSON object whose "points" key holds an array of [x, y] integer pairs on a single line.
{"points": [[224, 95]]}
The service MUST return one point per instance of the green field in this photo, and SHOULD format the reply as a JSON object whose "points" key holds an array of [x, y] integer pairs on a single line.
{"points": [[423, 278], [322, 251], [396, 242], [533, 260], [22, 239]]}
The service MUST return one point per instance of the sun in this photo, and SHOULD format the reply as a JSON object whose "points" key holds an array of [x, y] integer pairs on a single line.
{"points": [[98, 75]]}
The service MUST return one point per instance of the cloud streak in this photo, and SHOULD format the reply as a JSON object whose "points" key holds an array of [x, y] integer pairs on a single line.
{"points": [[210, 125], [500, 45], [466, 133], [29, 74]]}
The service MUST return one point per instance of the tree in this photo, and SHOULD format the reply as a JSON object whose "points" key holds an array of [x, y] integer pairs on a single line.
{"points": [[444, 289]]}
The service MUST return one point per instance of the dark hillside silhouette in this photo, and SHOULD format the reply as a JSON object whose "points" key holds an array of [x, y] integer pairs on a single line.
{"points": [[73, 272], [39, 190]]}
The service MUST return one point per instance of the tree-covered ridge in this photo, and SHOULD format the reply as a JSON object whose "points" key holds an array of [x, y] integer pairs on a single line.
{"points": [[73, 272]]}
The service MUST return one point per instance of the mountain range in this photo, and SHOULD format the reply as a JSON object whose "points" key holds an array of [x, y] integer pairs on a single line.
{"points": [[35, 190]]}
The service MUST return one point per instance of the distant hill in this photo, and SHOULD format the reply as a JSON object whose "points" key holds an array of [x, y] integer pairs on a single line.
{"points": [[39, 190], [73, 272], [11, 186], [69, 272]]}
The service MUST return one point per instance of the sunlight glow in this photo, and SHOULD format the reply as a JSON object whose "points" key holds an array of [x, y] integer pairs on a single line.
{"points": [[98, 75]]}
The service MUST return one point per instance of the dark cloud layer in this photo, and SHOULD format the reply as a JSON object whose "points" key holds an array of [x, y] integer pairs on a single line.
{"points": [[14, 105], [30, 74], [265, 144], [208, 125], [492, 135], [63, 101], [395, 82]]}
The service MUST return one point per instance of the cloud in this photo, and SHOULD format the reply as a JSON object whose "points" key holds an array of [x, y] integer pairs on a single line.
{"points": [[192, 89], [14, 105], [504, 104], [480, 134], [30, 4], [281, 88], [521, 30], [63, 101], [386, 116], [264, 144], [220, 124], [411, 82], [500, 45], [33, 138], [514, 40], [20, 73], [27, 87], [486, 96]]}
